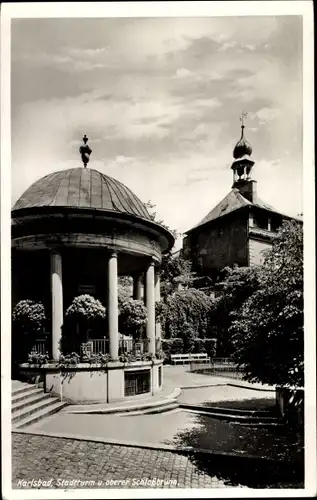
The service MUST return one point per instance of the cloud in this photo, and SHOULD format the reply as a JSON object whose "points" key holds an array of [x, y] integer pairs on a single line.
{"points": [[184, 73], [265, 115], [160, 101]]}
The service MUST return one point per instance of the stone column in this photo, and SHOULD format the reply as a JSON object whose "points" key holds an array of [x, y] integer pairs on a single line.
{"points": [[150, 305], [158, 330], [112, 305], [137, 287], [57, 302], [269, 224]]}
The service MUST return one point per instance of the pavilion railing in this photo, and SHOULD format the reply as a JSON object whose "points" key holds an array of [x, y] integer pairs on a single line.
{"points": [[97, 346], [126, 346], [40, 347]]}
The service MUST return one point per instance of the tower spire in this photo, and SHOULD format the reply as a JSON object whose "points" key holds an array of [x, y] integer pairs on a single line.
{"points": [[242, 165]]}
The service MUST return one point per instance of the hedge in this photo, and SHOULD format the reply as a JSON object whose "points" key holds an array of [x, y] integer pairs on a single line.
{"points": [[176, 346]]}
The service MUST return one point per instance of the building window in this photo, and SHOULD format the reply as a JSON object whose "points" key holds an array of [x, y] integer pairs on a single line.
{"points": [[260, 221], [275, 225], [137, 382]]}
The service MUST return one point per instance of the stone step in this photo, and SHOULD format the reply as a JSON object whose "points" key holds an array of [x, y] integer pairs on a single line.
{"points": [[158, 409], [22, 389], [33, 408], [54, 407], [229, 416], [29, 400], [20, 396], [126, 409], [16, 384], [238, 411]]}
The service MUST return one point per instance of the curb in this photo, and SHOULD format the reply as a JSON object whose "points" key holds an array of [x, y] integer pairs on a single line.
{"points": [[230, 384], [252, 388], [201, 386], [171, 398], [151, 446]]}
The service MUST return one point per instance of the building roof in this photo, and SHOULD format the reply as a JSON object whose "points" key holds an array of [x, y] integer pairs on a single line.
{"points": [[233, 201], [82, 188]]}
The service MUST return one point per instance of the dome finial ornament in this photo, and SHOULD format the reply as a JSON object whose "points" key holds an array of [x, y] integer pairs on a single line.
{"points": [[85, 151]]}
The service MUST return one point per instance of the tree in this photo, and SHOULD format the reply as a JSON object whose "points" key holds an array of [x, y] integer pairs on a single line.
{"points": [[187, 316], [149, 205], [236, 285], [175, 273], [268, 330]]}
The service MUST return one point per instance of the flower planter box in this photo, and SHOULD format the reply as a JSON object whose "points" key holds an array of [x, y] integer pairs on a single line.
{"points": [[92, 383]]}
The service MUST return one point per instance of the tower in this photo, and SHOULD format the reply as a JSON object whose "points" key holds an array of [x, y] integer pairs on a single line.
{"points": [[242, 166]]}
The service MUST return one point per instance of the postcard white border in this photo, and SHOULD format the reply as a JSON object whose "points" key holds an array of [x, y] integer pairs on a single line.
{"points": [[163, 9]]}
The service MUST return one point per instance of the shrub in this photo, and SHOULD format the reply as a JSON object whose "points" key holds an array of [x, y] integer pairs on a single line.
{"points": [[132, 318], [188, 314], [36, 358], [210, 346], [28, 316], [199, 345], [172, 346], [86, 308], [85, 313]]}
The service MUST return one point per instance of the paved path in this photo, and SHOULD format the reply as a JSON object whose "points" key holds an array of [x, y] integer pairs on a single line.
{"points": [[104, 466], [180, 376], [46, 457]]}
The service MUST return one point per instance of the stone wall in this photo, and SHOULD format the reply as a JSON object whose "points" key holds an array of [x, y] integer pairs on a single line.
{"points": [[256, 248], [219, 244]]}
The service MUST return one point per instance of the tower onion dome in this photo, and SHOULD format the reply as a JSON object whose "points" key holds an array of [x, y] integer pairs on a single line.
{"points": [[243, 147]]}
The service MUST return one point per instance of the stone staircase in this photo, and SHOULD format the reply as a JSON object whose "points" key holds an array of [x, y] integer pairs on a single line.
{"points": [[29, 403]]}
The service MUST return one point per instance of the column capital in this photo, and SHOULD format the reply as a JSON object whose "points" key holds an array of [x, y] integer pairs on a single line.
{"points": [[151, 262], [55, 250], [113, 253]]}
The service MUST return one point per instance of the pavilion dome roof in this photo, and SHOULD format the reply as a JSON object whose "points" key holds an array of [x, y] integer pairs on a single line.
{"points": [[82, 188]]}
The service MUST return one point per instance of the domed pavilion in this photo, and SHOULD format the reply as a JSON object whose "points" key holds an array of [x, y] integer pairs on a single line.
{"points": [[75, 231]]}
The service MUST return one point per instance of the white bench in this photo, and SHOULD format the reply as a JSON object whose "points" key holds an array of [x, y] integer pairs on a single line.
{"points": [[187, 358], [203, 356], [180, 358]]}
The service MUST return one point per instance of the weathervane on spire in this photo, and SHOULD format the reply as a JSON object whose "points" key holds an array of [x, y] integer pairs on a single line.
{"points": [[243, 115], [85, 151]]}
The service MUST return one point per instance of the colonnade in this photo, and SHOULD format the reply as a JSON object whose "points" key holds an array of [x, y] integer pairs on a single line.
{"points": [[151, 295]]}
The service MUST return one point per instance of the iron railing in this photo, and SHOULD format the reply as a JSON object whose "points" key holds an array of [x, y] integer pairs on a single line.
{"points": [[220, 367], [134, 347], [40, 347], [96, 346], [99, 346]]}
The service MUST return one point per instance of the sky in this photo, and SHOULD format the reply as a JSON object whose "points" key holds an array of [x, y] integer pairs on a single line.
{"points": [[160, 101]]}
